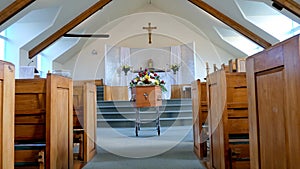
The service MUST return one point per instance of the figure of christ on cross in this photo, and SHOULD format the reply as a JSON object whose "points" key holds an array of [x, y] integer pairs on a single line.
{"points": [[149, 28]]}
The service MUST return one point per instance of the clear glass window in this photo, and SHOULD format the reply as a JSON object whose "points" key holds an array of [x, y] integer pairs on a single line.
{"points": [[2, 45], [269, 19], [238, 41]]}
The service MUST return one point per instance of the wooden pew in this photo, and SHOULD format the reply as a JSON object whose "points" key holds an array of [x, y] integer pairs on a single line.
{"points": [[273, 78], [199, 103], [228, 120], [44, 122], [112, 93], [7, 99], [180, 91], [85, 115]]}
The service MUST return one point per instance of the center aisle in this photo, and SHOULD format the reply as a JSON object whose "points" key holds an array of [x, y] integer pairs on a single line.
{"points": [[118, 148]]}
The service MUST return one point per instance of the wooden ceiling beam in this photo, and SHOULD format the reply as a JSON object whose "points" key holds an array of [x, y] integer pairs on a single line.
{"points": [[12, 9], [289, 5], [231, 23], [72, 24]]}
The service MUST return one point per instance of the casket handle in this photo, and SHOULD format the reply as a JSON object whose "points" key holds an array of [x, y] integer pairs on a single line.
{"points": [[146, 96]]}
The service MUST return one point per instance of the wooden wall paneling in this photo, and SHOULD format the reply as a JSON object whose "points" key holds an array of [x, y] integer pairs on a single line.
{"points": [[97, 82], [112, 93], [119, 93], [107, 93], [7, 98], [175, 92], [180, 91], [274, 105]]}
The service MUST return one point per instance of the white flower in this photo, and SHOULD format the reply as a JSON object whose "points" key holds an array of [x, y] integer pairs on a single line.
{"points": [[152, 81]]}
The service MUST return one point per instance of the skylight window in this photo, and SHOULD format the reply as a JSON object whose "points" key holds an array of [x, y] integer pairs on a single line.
{"points": [[269, 19], [2, 45], [238, 41]]}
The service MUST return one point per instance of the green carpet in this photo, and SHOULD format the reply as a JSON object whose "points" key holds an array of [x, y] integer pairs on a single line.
{"points": [[179, 156]]}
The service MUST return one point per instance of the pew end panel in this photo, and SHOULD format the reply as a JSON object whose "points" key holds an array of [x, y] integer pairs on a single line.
{"points": [[86, 111], [59, 122], [199, 108], [273, 78], [228, 120], [7, 101]]}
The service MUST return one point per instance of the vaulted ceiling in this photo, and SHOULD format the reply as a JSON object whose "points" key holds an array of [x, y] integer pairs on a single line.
{"points": [[56, 14]]}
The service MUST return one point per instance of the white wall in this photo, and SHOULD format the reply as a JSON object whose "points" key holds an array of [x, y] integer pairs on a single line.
{"points": [[140, 57], [126, 29]]}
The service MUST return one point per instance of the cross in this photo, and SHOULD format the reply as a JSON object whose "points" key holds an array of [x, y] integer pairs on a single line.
{"points": [[149, 28]]}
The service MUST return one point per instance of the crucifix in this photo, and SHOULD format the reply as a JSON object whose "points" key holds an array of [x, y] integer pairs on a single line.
{"points": [[149, 28]]}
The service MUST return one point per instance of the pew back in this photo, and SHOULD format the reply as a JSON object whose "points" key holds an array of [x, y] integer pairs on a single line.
{"points": [[30, 110], [112, 93], [199, 108], [180, 91], [44, 118]]}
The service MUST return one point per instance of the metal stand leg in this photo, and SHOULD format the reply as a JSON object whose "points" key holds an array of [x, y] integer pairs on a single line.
{"points": [[158, 121], [137, 121]]}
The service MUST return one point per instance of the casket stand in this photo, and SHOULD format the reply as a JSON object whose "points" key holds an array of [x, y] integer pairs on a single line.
{"points": [[146, 96]]}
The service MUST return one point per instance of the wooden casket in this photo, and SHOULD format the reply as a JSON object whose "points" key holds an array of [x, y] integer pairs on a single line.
{"points": [[146, 96]]}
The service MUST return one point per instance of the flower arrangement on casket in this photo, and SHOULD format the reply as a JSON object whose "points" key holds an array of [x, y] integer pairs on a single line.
{"points": [[148, 78]]}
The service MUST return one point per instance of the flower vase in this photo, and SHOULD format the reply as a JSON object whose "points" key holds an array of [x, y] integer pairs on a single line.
{"points": [[125, 72]]}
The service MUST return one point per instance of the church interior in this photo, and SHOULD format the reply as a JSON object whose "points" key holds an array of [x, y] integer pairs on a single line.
{"points": [[167, 84]]}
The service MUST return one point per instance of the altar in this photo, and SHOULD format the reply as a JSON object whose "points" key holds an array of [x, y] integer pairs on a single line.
{"points": [[175, 65]]}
